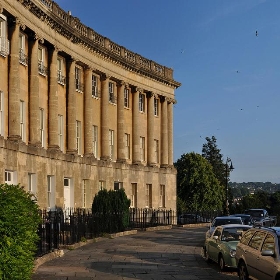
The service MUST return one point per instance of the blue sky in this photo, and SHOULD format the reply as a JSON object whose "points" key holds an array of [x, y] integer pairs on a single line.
{"points": [[230, 77]]}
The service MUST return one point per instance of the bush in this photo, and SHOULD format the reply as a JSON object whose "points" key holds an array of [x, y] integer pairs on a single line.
{"points": [[111, 211], [19, 221]]}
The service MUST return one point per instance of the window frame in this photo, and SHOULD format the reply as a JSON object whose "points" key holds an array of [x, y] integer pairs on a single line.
{"points": [[23, 59], [79, 137], [111, 92], [142, 148], [4, 42], [127, 145], [78, 79], [94, 86], [111, 143], [126, 97], [22, 120], [60, 132], [141, 102], [2, 115], [156, 107], [95, 140], [42, 127], [60, 73]]}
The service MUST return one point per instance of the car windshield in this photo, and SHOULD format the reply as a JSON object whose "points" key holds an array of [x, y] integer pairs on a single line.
{"points": [[233, 234], [220, 222], [257, 214]]}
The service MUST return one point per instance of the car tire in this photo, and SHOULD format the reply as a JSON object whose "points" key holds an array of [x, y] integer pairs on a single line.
{"points": [[242, 271], [222, 263]]}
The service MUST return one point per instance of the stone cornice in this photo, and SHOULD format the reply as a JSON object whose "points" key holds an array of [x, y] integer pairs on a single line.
{"points": [[71, 28]]}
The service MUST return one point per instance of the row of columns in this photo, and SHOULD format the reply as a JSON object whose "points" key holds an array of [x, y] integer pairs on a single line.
{"points": [[34, 112]]}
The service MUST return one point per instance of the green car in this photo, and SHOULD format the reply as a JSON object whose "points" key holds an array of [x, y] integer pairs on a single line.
{"points": [[220, 247]]}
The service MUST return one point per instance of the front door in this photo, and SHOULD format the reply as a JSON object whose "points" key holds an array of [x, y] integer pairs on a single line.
{"points": [[67, 193]]}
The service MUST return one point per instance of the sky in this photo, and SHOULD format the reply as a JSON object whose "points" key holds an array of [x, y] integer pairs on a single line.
{"points": [[225, 53]]}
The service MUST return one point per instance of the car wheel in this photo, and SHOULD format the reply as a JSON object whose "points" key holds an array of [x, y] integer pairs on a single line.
{"points": [[242, 271], [222, 263]]}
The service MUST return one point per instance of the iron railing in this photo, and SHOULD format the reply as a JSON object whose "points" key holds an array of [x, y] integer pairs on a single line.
{"points": [[62, 227]]}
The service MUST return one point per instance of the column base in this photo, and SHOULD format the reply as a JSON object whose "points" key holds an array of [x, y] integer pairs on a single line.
{"points": [[72, 152], [164, 166], [121, 160], [105, 158], [15, 138], [54, 148], [137, 162]]}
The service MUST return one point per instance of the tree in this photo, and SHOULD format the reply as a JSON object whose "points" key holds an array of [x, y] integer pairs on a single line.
{"points": [[197, 184], [211, 152]]}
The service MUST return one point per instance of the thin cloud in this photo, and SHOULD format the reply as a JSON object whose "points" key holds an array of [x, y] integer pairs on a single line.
{"points": [[233, 7]]}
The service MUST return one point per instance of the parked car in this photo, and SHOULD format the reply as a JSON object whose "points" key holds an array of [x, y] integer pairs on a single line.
{"points": [[257, 254], [221, 245], [246, 219], [261, 217], [188, 219], [222, 220]]}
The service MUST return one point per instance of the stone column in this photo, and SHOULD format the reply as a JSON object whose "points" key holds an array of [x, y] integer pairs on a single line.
{"points": [[164, 133], [170, 132], [105, 154], [14, 86], [53, 101], [120, 123], [135, 128], [150, 130], [88, 111], [71, 109], [34, 95]]}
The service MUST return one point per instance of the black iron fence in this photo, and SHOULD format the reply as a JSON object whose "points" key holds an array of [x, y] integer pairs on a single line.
{"points": [[62, 227]]}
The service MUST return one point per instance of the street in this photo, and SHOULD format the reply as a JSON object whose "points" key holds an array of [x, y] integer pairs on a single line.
{"points": [[172, 254]]}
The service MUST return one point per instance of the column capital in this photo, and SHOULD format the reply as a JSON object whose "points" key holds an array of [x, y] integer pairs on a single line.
{"points": [[171, 100], [104, 76], [138, 89], [36, 37], [163, 98], [88, 68], [121, 83]]}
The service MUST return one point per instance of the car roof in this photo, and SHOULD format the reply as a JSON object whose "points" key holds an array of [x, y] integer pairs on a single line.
{"points": [[240, 215], [275, 230], [226, 217], [234, 226]]}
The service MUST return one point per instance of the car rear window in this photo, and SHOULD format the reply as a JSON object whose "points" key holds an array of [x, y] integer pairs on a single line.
{"points": [[221, 222]]}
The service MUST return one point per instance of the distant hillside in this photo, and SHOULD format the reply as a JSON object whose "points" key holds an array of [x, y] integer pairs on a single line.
{"points": [[241, 189]]}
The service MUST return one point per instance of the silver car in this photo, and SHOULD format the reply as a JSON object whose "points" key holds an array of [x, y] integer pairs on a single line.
{"points": [[257, 254], [222, 220]]}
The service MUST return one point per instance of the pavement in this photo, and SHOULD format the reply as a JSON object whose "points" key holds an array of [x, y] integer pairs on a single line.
{"points": [[165, 254]]}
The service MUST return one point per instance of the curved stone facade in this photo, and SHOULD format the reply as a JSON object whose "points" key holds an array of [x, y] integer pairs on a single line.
{"points": [[80, 113]]}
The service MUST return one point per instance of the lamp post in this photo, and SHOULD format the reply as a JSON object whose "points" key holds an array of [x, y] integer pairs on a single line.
{"points": [[229, 168]]}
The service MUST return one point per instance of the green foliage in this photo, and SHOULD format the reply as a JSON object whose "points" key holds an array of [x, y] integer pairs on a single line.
{"points": [[211, 152], [19, 221], [111, 211], [197, 185]]}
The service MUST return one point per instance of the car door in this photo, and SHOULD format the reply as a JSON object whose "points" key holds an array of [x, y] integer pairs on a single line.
{"points": [[214, 244], [252, 253], [266, 264]]}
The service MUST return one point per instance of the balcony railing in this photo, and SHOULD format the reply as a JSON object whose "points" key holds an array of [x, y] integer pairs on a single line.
{"points": [[60, 78], [43, 70], [23, 58], [4, 46], [79, 86]]}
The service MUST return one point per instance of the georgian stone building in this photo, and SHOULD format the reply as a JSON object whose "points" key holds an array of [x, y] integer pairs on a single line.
{"points": [[79, 113]]}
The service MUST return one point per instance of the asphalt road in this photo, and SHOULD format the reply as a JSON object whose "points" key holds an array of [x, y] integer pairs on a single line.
{"points": [[171, 254]]}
